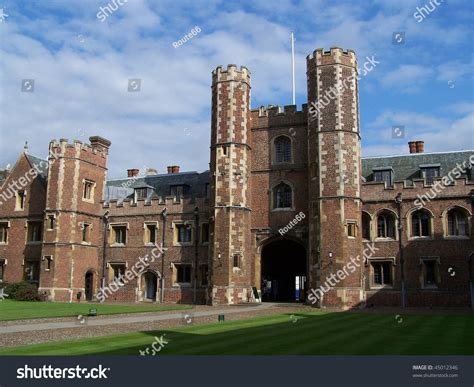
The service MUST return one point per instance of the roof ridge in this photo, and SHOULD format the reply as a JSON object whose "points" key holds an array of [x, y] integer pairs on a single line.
{"points": [[36, 157], [158, 175], [417, 154]]}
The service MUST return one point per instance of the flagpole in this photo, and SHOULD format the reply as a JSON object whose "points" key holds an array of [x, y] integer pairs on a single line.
{"points": [[293, 66]]}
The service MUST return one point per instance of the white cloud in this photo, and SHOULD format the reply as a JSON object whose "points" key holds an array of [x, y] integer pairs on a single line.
{"points": [[408, 78], [81, 67], [439, 134]]}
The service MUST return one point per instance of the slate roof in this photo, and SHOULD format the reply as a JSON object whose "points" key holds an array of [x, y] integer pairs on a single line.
{"points": [[41, 163], [407, 167], [195, 183]]}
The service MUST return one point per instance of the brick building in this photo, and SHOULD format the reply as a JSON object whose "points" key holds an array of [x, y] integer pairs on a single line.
{"points": [[288, 202]]}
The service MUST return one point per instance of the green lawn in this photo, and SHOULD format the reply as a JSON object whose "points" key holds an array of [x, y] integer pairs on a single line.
{"points": [[314, 333], [18, 310]]}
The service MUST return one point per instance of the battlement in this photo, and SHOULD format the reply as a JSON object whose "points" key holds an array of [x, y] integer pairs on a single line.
{"points": [[154, 206], [231, 73], [273, 111], [380, 192], [97, 148], [266, 116], [335, 55]]}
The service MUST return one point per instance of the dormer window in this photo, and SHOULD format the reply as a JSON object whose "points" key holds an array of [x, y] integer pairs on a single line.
{"points": [[384, 174], [178, 191], [429, 172], [141, 193]]}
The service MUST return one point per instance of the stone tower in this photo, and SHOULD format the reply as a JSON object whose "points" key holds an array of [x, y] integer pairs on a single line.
{"points": [[73, 219], [334, 173], [230, 248]]}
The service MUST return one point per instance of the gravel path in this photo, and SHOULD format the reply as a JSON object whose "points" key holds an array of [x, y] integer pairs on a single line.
{"points": [[46, 330]]}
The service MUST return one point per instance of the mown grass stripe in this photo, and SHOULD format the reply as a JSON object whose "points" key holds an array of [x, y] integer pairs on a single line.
{"points": [[313, 333]]}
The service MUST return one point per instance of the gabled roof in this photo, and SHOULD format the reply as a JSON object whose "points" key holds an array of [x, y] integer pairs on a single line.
{"points": [[407, 167]]}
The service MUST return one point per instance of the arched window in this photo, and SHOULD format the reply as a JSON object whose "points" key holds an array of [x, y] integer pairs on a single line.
{"points": [[282, 196], [386, 225], [283, 149], [365, 225], [457, 222], [420, 224]]}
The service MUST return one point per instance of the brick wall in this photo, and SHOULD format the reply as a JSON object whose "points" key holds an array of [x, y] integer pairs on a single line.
{"points": [[17, 250]]}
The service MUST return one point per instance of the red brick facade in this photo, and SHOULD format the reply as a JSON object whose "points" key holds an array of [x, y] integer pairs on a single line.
{"points": [[266, 166]]}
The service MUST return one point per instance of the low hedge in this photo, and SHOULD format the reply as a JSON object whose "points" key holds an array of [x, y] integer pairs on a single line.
{"points": [[21, 291]]}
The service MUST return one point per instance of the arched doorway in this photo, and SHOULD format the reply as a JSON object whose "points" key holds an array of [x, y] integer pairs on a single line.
{"points": [[150, 288], [283, 271], [89, 285]]}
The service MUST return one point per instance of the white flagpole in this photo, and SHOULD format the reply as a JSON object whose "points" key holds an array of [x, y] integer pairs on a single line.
{"points": [[293, 66]]}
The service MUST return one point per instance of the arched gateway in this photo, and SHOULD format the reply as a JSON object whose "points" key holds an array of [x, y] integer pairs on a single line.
{"points": [[284, 271]]}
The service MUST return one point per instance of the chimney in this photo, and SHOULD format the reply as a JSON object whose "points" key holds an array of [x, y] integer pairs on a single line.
{"points": [[412, 145], [99, 143], [132, 172], [420, 146], [173, 169]]}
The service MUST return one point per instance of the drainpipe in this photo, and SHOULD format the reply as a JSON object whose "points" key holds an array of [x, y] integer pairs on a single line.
{"points": [[164, 214], [196, 243], [105, 219], [398, 201]]}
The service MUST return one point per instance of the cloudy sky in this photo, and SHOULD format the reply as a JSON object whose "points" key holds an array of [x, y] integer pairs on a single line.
{"points": [[81, 63]]}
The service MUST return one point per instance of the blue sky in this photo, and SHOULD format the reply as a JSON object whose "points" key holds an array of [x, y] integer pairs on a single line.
{"points": [[81, 66]]}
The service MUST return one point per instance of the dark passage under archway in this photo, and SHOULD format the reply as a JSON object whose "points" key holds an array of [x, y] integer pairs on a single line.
{"points": [[283, 271]]}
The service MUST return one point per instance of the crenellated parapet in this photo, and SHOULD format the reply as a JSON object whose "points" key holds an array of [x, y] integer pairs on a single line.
{"points": [[335, 55], [154, 206], [278, 116], [96, 152], [379, 191], [231, 73]]}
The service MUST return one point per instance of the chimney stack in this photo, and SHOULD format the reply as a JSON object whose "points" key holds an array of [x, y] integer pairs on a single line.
{"points": [[99, 143], [417, 146], [412, 145], [420, 146], [173, 169], [132, 172]]}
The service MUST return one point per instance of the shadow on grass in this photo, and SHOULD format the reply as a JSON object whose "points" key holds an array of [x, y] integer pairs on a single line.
{"points": [[342, 333]]}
